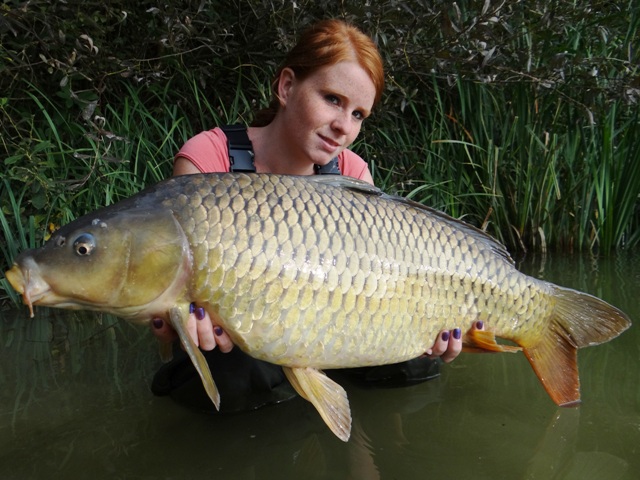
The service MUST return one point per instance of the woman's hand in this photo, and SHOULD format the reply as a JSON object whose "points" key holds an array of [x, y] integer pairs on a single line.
{"points": [[448, 345], [202, 330]]}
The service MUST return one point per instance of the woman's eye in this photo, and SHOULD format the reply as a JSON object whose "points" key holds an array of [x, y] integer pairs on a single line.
{"points": [[359, 115], [332, 99], [84, 245]]}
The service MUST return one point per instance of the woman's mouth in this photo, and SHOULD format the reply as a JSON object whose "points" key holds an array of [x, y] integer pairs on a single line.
{"points": [[329, 144]]}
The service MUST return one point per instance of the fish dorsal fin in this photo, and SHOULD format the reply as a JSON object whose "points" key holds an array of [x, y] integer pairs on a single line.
{"points": [[329, 398], [350, 183], [365, 188], [178, 319]]}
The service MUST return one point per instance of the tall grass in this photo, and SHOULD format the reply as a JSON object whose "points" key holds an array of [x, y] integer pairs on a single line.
{"points": [[615, 181], [532, 169], [17, 236]]}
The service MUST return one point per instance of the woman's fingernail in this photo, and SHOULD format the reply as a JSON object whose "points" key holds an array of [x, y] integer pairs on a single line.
{"points": [[479, 324], [157, 323], [218, 331], [445, 336], [199, 313], [192, 307], [457, 333]]}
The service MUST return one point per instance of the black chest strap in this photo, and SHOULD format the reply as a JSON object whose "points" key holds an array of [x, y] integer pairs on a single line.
{"points": [[240, 148], [331, 168], [241, 153]]}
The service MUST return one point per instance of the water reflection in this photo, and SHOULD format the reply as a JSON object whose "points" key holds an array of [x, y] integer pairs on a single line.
{"points": [[75, 399], [558, 456]]}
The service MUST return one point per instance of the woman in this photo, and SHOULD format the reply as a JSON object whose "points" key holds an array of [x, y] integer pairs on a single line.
{"points": [[327, 86]]}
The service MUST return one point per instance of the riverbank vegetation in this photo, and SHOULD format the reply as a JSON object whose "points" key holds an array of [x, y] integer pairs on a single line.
{"points": [[518, 117]]}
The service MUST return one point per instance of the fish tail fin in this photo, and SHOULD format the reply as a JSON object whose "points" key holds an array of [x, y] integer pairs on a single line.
{"points": [[578, 320]]}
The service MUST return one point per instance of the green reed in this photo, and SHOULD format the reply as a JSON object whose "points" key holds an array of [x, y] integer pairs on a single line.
{"points": [[532, 167], [16, 235]]}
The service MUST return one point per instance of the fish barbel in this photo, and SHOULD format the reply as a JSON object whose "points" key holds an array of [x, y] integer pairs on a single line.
{"points": [[311, 273]]}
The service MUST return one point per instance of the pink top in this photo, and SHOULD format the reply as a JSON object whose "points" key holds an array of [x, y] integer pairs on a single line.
{"points": [[208, 152]]}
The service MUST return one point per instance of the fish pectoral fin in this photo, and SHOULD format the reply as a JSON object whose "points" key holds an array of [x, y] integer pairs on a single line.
{"points": [[484, 341], [178, 321], [329, 398]]}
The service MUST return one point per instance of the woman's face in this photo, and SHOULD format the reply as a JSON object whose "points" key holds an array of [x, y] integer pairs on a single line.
{"points": [[324, 112]]}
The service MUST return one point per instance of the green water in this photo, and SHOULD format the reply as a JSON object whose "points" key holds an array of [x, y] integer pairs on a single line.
{"points": [[75, 403]]}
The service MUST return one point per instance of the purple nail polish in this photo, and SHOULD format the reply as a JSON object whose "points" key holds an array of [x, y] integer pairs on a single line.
{"points": [[199, 313], [192, 307], [157, 323], [218, 331], [457, 333], [445, 336], [479, 324]]}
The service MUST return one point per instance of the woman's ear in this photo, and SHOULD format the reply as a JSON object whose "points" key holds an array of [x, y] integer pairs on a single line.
{"points": [[286, 81]]}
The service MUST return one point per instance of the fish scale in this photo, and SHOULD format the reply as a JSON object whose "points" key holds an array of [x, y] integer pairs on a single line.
{"points": [[371, 270], [312, 273]]}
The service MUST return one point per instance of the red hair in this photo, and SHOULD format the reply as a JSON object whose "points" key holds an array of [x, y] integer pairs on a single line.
{"points": [[326, 43]]}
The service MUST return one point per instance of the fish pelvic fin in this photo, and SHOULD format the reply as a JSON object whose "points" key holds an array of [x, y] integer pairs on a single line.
{"points": [[329, 398], [166, 352], [179, 318], [578, 320]]}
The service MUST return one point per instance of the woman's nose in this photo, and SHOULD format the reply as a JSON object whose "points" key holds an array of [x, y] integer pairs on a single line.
{"points": [[342, 123]]}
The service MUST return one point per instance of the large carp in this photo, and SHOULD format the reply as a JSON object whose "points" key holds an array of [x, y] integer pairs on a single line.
{"points": [[311, 273]]}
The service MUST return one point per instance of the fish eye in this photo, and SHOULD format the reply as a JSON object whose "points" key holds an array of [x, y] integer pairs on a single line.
{"points": [[84, 245]]}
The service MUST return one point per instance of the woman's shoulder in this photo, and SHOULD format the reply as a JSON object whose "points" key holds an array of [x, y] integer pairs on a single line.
{"points": [[207, 151], [208, 138], [352, 165]]}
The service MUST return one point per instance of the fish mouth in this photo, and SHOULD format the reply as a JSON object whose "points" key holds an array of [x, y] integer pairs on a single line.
{"points": [[36, 291], [33, 288]]}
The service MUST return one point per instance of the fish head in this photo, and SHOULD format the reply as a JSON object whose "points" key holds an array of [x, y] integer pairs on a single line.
{"points": [[132, 263]]}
